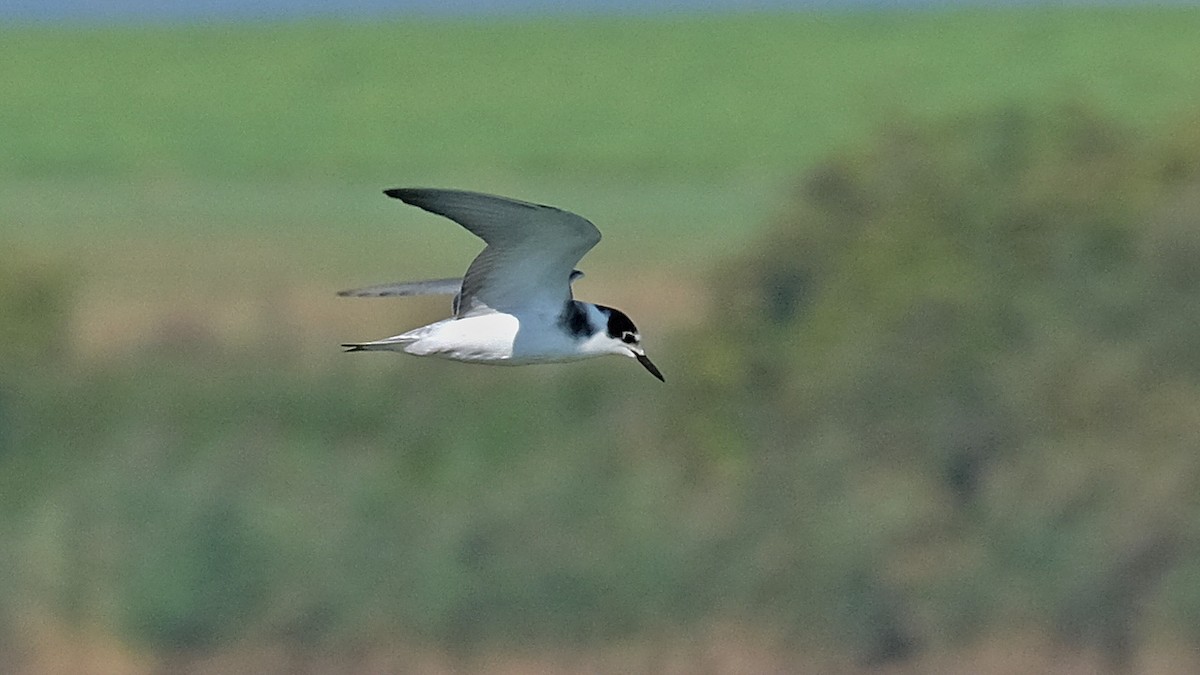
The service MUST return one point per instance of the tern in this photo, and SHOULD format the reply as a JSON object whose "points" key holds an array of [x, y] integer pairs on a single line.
{"points": [[514, 306]]}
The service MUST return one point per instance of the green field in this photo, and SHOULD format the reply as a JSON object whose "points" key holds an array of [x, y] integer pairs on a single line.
{"points": [[922, 286], [680, 132], [610, 100]]}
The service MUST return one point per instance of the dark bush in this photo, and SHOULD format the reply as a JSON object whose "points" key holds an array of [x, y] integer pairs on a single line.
{"points": [[970, 351]]}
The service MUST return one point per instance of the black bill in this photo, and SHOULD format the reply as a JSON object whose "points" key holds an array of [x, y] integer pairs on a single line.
{"points": [[645, 361]]}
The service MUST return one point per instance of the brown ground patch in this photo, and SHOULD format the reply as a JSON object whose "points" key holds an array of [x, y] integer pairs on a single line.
{"points": [[720, 650]]}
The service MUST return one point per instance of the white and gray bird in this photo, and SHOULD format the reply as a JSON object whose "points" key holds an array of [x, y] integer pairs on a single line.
{"points": [[514, 306]]}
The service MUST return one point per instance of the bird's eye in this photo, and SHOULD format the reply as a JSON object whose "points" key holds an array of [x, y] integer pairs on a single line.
{"points": [[628, 338]]}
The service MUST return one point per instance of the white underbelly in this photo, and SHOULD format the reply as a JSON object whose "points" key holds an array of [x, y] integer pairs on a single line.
{"points": [[500, 339]]}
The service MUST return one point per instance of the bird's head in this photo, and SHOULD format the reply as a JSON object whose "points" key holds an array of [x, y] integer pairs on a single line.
{"points": [[622, 337]]}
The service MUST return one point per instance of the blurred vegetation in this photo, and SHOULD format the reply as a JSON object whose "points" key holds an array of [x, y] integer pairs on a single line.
{"points": [[966, 358], [951, 393], [35, 296]]}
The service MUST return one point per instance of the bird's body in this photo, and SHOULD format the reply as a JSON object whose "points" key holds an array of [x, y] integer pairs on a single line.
{"points": [[495, 338], [514, 306]]}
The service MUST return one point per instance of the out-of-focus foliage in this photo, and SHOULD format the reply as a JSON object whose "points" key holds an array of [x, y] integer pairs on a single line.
{"points": [[35, 308], [189, 502], [967, 357], [952, 393]]}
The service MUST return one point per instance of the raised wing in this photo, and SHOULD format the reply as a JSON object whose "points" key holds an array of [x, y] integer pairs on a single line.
{"points": [[531, 249]]}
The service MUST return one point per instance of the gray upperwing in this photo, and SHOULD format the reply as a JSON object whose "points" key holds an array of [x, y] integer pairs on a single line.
{"points": [[531, 250]]}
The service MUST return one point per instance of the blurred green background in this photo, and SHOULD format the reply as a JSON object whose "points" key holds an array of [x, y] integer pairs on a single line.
{"points": [[925, 287]]}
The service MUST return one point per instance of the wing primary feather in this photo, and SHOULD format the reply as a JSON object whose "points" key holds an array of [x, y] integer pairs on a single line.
{"points": [[406, 288]]}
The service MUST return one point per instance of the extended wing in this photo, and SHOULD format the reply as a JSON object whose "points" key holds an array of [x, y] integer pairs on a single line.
{"points": [[406, 288], [531, 252]]}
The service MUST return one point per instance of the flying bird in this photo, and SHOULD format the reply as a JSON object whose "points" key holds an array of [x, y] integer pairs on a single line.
{"points": [[514, 306]]}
